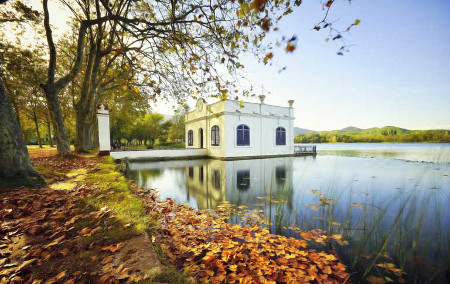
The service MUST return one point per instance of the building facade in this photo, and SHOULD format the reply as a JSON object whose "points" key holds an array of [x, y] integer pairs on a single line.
{"points": [[229, 129]]}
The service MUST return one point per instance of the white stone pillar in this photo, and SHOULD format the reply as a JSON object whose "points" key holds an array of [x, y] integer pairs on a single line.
{"points": [[103, 130]]}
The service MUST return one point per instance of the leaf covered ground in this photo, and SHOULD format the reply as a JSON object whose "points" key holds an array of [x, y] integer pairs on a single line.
{"points": [[82, 228], [211, 250], [91, 224]]}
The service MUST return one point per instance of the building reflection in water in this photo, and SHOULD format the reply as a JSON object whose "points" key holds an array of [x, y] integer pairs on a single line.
{"points": [[239, 182], [205, 184]]}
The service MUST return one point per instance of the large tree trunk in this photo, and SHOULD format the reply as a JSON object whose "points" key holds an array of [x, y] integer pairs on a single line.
{"points": [[85, 126], [80, 145], [85, 108], [61, 137], [49, 131], [15, 164], [52, 87], [95, 142], [36, 124]]}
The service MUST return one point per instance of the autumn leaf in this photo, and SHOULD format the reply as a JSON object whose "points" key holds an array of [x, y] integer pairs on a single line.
{"points": [[113, 248], [375, 280], [107, 260], [26, 265], [258, 4], [85, 232], [60, 276], [290, 47], [268, 57]]}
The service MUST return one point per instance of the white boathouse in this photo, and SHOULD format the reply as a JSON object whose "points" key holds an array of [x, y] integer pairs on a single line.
{"points": [[229, 129]]}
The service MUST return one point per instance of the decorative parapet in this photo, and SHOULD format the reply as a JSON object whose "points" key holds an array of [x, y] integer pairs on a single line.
{"points": [[262, 98]]}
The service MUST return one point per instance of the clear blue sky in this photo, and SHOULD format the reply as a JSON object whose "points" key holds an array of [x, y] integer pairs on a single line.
{"points": [[397, 72]]}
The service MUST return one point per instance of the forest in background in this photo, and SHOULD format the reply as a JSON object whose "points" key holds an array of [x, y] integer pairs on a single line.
{"points": [[374, 135]]}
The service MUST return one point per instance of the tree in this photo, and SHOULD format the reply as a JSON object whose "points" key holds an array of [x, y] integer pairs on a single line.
{"points": [[52, 87], [15, 164], [24, 82], [152, 126], [176, 131], [177, 47]]}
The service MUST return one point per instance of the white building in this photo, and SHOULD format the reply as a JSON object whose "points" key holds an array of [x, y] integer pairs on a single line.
{"points": [[230, 130]]}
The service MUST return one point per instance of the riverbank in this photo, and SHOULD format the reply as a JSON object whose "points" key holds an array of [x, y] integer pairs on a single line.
{"points": [[86, 225], [90, 224]]}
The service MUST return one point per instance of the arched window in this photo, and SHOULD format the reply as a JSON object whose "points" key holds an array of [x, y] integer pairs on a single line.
{"points": [[243, 179], [243, 135], [190, 138], [216, 179], [280, 176], [201, 174], [191, 172], [215, 136], [280, 136]]}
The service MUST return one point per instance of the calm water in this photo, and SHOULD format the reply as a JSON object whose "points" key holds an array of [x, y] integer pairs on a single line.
{"points": [[391, 210], [415, 152]]}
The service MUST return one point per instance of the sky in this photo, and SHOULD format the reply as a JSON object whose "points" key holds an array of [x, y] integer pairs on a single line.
{"points": [[396, 73]]}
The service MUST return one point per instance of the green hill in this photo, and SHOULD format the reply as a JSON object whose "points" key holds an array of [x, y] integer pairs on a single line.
{"points": [[353, 134], [349, 129]]}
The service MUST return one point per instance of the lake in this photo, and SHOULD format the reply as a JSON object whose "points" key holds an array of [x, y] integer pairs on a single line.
{"points": [[390, 208]]}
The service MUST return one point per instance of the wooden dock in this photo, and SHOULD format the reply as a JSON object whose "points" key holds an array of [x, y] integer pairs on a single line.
{"points": [[305, 150]]}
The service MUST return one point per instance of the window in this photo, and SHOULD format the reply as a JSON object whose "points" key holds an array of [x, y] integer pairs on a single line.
{"points": [[191, 172], [243, 179], [201, 175], [280, 176], [243, 135], [216, 179], [190, 138], [280, 136], [215, 136]]}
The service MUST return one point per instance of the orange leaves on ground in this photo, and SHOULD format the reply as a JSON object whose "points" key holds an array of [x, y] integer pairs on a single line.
{"points": [[211, 250], [112, 248], [47, 230]]}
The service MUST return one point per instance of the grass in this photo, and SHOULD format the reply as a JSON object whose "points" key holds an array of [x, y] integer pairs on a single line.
{"points": [[115, 193], [131, 218], [127, 217]]}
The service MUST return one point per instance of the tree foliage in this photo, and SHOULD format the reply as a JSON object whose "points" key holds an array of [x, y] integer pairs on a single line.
{"points": [[439, 136]]}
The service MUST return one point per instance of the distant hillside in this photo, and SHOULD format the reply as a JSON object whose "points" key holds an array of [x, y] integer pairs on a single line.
{"points": [[298, 130], [375, 134], [384, 130], [349, 129]]}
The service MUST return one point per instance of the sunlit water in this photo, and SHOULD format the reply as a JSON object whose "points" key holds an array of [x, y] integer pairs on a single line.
{"points": [[375, 200]]}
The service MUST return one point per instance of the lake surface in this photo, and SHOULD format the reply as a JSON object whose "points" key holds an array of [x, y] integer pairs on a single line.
{"points": [[389, 209]]}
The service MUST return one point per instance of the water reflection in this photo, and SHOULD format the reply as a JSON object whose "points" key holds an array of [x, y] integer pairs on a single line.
{"points": [[209, 183], [389, 210]]}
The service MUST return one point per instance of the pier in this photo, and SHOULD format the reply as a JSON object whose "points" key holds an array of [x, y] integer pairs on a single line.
{"points": [[301, 150]]}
